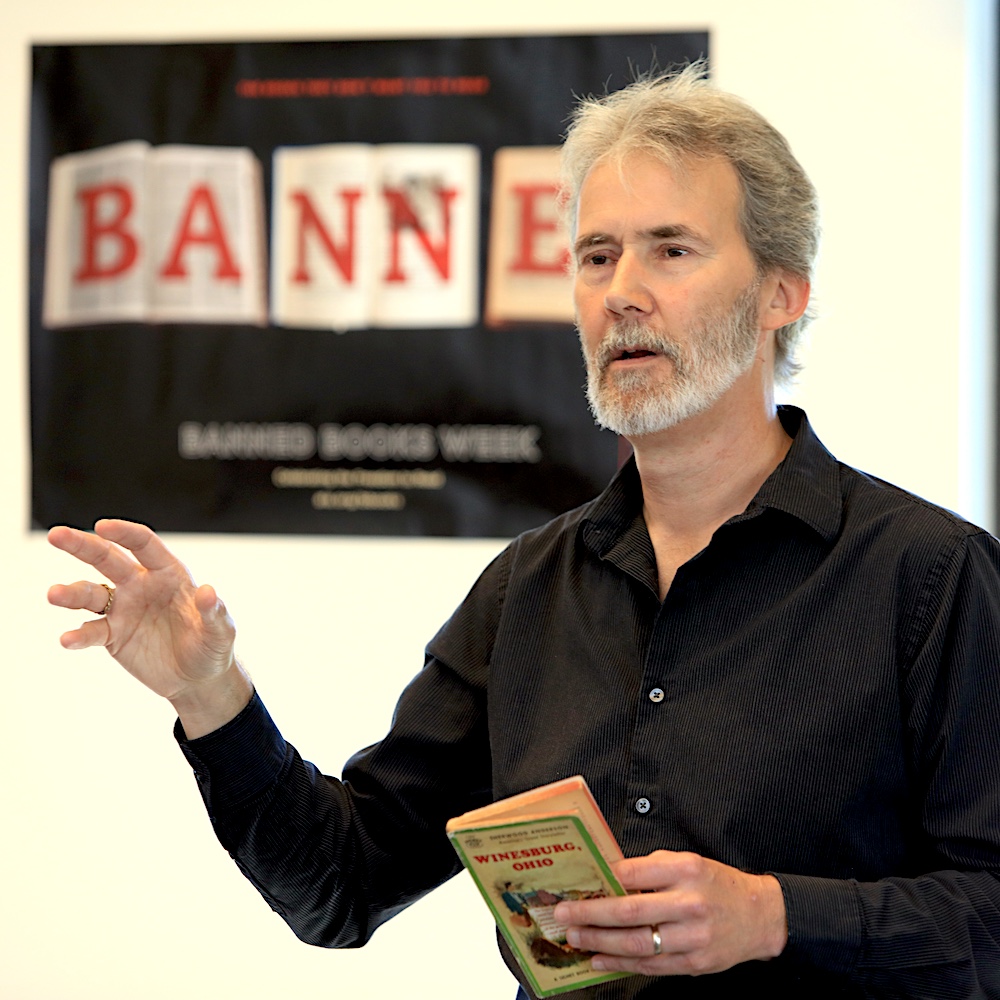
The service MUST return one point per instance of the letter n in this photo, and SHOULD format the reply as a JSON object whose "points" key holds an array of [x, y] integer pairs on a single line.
{"points": [[403, 217], [341, 254]]}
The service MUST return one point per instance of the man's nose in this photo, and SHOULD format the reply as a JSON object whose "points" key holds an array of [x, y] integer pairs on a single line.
{"points": [[628, 291]]}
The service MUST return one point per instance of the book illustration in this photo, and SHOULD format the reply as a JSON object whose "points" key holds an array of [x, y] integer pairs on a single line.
{"points": [[532, 909]]}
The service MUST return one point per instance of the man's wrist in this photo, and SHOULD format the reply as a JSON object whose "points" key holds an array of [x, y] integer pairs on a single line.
{"points": [[774, 923], [208, 706]]}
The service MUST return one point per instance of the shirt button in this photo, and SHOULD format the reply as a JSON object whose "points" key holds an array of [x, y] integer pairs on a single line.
{"points": [[656, 694], [642, 805]]}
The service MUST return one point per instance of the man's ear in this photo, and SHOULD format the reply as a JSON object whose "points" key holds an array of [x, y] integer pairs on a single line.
{"points": [[784, 298]]}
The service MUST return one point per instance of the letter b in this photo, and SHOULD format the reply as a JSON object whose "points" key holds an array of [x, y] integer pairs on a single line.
{"points": [[105, 210]]}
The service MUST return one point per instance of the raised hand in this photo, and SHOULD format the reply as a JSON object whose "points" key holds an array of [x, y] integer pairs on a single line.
{"points": [[174, 636], [685, 915]]}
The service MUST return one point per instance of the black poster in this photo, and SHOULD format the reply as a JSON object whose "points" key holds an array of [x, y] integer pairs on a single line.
{"points": [[190, 369]]}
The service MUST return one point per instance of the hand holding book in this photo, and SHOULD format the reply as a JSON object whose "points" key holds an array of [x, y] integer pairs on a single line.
{"points": [[709, 916], [530, 854], [553, 875]]}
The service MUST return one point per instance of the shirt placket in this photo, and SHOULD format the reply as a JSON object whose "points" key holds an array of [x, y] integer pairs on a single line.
{"points": [[648, 824]]}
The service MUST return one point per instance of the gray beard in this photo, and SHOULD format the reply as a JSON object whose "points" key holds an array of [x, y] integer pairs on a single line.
{"points": [[719, 350]]}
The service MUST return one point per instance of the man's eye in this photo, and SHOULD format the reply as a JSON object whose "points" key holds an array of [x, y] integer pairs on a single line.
{"points": [[598, 259], [675, 252]]}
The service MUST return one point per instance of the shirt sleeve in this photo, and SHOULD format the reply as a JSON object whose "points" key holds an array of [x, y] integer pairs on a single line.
{"points": [[934, 931], [337, 857]]}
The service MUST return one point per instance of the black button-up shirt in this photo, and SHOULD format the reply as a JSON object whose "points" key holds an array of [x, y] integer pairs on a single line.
{"points": [[817, 697]]}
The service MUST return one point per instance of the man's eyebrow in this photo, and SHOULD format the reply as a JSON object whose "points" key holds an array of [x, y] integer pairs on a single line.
{"points": [[666, 232], [591, 240], [674, 232]]}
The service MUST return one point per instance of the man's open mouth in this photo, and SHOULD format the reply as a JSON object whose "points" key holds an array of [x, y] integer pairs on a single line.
{"points": [[633, 352]]}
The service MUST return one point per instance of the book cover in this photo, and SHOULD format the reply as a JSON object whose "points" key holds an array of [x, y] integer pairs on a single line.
{"points": [[527, 854]]}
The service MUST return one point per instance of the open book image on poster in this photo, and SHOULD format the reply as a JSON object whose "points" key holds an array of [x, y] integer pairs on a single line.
{"points": [[528, 853]]}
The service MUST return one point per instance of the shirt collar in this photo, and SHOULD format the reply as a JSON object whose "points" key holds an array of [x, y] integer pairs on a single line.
{"points": [[807, 482], [805, 485]]}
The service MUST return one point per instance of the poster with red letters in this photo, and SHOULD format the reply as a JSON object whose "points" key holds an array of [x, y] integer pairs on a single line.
{"points": [[314, 287]]}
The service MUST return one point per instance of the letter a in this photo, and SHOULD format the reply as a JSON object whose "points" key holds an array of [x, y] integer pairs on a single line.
{"points": [[210, 235]]}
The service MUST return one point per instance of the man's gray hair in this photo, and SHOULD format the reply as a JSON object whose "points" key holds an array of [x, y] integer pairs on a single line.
{"points": [[677, 116]]}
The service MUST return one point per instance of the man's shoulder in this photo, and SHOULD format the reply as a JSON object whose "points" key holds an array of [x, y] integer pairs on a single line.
{"points": [[926, 547], [870, 496], [839, 499]]}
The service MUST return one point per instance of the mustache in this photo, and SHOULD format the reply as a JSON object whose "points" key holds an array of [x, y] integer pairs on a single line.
{"points": [[631, 336]]}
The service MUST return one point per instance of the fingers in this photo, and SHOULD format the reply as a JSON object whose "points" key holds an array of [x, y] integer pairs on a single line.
{"points": [[631, 942], [108, 559], [709, 916], [659, 870], [635, 949], [80, 596], [638, 910], [95, 633], [83, 596], [105, 548], [140, 540]]}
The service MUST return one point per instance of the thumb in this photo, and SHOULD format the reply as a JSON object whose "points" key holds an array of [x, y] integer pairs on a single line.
{"points": [[214, 615], [206, 600]]}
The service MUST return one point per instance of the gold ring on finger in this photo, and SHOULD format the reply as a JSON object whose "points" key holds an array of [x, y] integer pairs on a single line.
{"points": [[111, 599]]}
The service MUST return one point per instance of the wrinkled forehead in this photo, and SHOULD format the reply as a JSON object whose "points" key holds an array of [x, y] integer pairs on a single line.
{"points": [[643, 193], [685, 169]]}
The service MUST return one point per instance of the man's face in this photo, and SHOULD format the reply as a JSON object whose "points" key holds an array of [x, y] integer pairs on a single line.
{"points": [[667, 294]]}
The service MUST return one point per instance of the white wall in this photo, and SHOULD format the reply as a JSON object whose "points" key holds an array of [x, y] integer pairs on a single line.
{"points": [[113, 886]]}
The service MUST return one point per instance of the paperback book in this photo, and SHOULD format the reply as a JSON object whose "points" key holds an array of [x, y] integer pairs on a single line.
{"points": [[528, 853]]}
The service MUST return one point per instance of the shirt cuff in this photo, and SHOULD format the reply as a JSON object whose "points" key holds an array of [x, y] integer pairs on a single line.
{"points": [[825, 922], [239, 760]]}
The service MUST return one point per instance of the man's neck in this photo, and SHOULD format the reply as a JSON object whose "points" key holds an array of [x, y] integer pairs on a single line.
{"points": [[697, 475]]}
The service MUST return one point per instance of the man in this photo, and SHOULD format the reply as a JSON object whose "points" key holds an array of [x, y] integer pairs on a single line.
{"points": [[778, 675]]}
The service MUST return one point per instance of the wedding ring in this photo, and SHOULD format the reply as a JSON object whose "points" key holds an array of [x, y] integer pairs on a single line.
{"points": [[657, 941], [111, 598]]}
